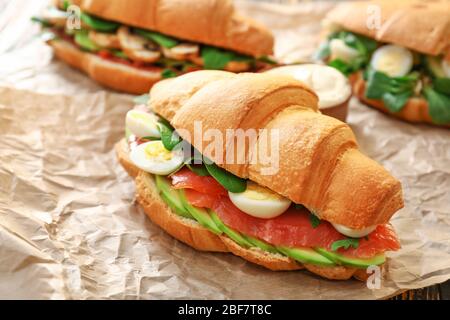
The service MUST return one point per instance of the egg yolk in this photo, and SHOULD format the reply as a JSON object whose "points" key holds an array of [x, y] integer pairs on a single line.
{"points": [[390, 62], [256, 192], [157, 150]]}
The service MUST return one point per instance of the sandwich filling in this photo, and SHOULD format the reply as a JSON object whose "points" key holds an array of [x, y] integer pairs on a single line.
{"points": [[392, 73], [250, 214], [141, 48]]}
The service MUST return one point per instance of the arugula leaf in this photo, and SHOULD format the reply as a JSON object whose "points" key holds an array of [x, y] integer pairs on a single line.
{"points": [[169, 137], [142, 99], [342, 66], [195, 164], [394, 91], [362, 44], [438, 106], [168, 73], [198, 169], [150, 138], [99, 24], [442, 85], [215, 58], [345, 243], [299, 206], [228, 180], [395, 102], [159, 38], [315, 220], [166, 123]]}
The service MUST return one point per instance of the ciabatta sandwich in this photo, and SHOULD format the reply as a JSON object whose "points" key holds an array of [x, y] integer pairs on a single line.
{"points": [[323, 206], [130, 45], [397, 55]]}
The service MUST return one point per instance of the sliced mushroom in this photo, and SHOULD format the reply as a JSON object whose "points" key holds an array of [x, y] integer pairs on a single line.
{"points": [[182, 51], [137, 47], [105, 40]]}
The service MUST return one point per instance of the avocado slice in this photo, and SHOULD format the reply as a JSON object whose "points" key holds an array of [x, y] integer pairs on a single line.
{"points": [[171, 196], [306, 255], [261, 244], [234, 235], [434, 66], [352, 262], [201, 215]]}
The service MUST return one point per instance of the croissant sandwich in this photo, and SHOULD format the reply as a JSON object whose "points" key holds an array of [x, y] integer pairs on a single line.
{"points": [[130, 45], [317, 202], [397, 55]]}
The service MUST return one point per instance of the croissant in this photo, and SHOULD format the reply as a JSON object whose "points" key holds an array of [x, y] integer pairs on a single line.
{"points": [[319, 156], [320, 165]]}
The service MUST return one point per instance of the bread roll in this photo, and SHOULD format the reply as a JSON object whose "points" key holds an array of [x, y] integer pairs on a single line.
{"points": [[415, 109], [212, 22], [108, 73], [422, 26]]}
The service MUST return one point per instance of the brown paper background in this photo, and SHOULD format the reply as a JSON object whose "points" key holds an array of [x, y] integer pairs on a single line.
{"points": [[68, 224]]}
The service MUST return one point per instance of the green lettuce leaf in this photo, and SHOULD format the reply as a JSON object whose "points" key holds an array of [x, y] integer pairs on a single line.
{"points": [[159, 38], [438, 106], [442, 85], [99, 24], [394, 91], [168, 73], [216, 59]]}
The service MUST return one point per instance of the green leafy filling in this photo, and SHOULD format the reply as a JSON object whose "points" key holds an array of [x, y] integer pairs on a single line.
{"points": [[315, 220], [99, 24], [365, 46], [161, 39], [215, 58], [393, 91], [228, 180], [345, 243], [84, 42], [168, 73], [438, 105], [169, 138]]}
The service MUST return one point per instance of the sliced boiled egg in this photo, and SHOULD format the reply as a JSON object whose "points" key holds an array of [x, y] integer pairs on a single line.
{"points": [[260, 202], [446, 67], [353, 233], [339, 50], [142, 124], [395, 61], [154, 158]]}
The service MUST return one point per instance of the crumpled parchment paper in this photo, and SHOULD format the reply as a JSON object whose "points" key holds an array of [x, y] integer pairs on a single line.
{"points": [[69, 227]]}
